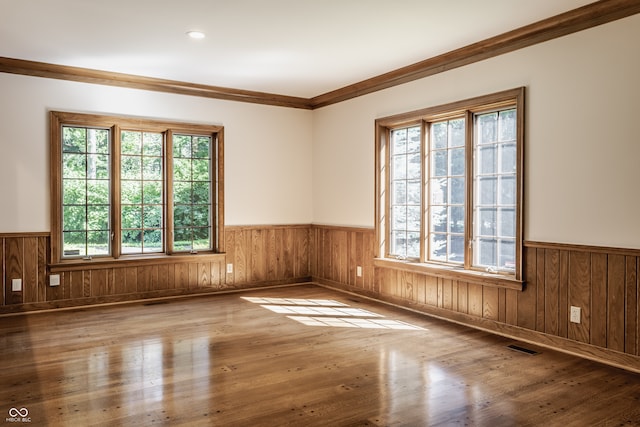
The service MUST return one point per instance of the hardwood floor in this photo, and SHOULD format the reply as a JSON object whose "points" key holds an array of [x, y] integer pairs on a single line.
{"points": [[313, 357]]}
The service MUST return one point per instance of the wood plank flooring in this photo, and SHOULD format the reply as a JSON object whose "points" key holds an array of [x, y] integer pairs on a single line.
{"points": [[312, 357]]}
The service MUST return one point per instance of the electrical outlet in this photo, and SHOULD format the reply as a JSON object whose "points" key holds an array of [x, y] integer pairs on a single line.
{"points": [[54, 280], [575, 314], [359, 271], [16, 285], [229, 268]]}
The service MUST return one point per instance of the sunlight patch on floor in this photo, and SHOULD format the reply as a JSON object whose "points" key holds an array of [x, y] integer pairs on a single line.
{"points": [[322, 312]]}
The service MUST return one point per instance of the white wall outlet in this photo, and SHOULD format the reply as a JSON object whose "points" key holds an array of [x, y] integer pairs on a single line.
{"points": [[16, 285], [54, 280], [359, 271], [229, 268], [574, 315]]}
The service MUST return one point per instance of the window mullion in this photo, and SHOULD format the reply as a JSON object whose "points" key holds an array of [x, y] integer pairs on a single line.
{"points": [[425, 223], [169, 235], [116, 205], [469, 190]]}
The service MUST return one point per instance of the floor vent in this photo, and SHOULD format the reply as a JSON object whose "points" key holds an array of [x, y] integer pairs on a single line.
{"points": [[522, 349]]}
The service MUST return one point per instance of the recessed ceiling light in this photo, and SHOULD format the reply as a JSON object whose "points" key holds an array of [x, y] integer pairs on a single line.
{"points": [[195, 34]]}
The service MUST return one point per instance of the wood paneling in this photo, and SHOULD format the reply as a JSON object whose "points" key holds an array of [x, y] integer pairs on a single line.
{"points": [[261, 255], [603, 282]]}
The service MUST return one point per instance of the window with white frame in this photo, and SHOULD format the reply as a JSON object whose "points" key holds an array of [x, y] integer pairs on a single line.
{"points": [[449, 182]]}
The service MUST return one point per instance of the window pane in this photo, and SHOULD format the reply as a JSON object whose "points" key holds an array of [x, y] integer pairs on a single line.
{"points": [[438, 247], [141, 190], [413, 143], [398, 242], [496, 197], [456, 133], [152, 192], [456, 219], [439, 135], [487, 251], [413, 192], [98, 192], [75, 218], [74, 192], [97, 166], [131, 143], [152, 144], [507, 125], [487, 126], [439, 191], [182, 193], [507, 222], [130, 192], [152, 168], [98, 243], [182, 169], [487, 190], [413, 244], [74, 140], [131, 241], [457, 161], [191, 192], [399, 167], [399, 218], [183, 239], [487, 159], [457, 191], [131, 216], [74, 166], [414, 166], [487, 222], [201, 238], [508, 163], [507, 254], [152, 217], [201, 192], [131, 167], [507, 190], [413, 218], [152, 241], [85, 192], [440, 165], [98, 218], [456, 248], [439, 219], [399, 192], [74, 243], [182, 146], [405, 176]]}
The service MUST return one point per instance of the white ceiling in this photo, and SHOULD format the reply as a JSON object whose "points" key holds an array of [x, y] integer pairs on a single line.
{"points": [[300, 48]]}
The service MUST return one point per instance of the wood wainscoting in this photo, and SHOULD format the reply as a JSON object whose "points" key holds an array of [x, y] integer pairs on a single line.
{"points": [[603, 282], [261, 256]]}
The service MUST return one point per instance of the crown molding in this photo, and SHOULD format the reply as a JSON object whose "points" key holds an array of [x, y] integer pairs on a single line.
{"points": [[579, 19], [86, 75], [591, 15]]}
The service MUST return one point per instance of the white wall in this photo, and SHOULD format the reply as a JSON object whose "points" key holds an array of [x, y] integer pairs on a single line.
{"points": [[582, 151], [267, 149]]}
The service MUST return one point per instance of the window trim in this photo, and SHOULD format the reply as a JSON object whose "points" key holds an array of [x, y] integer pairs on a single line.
{"points": [[115, 124], [467, 108]]}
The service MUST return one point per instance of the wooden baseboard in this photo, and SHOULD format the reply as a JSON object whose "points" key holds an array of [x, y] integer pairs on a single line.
{"points": [[586, 351]]}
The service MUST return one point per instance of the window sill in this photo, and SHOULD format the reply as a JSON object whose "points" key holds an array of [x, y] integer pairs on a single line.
{"points": [[456, 273], [130, 261]]}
